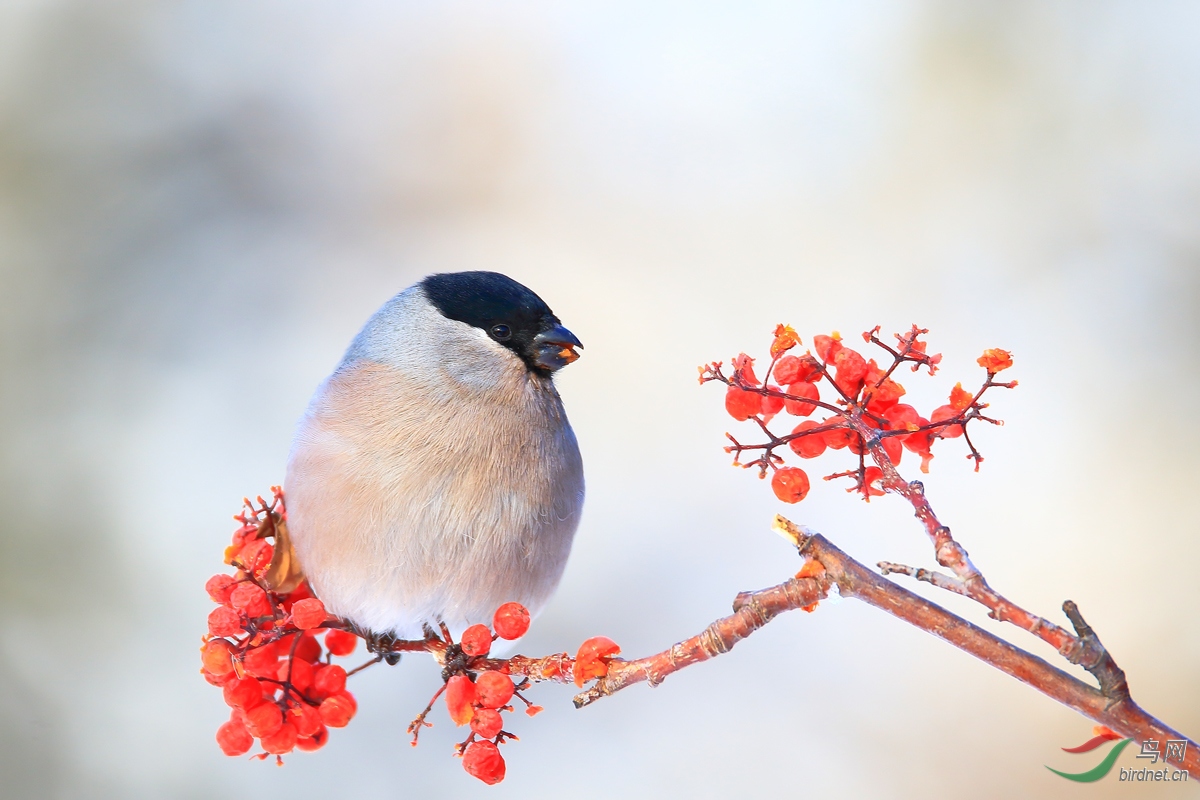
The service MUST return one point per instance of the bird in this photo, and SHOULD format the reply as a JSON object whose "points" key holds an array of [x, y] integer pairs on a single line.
{"points": [[434, 475]]}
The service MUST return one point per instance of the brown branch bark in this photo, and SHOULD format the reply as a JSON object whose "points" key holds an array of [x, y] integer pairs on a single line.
{"points": [[1110, 705]]}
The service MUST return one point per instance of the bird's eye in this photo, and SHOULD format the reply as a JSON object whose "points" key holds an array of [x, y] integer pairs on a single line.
{"points": [[501, 333]]}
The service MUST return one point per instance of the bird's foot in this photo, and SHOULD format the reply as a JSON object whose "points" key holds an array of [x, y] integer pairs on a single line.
{"points": [[380, 644]]}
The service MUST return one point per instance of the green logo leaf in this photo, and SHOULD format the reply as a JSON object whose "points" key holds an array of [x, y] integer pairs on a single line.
{"points": [[1097, 772]]}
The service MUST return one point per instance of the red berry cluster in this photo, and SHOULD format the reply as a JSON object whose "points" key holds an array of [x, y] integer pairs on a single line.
{"points": [[861, 403], [478, 691], [263, 649]]}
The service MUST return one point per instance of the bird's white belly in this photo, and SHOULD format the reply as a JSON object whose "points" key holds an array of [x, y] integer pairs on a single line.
{"points": [[403, 517]]}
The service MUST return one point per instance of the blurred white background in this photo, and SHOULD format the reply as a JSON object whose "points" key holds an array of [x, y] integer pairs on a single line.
{"points": [[201, 202]]}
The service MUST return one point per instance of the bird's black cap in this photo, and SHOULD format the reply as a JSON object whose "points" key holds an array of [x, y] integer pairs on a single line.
{"points": [[508, 312]]}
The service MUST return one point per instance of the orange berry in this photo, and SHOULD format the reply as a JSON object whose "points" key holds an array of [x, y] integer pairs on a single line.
{"points": [[790, 484], [785, 339], [593, 657], [493, 689], [263, 719], [460, 699], [224, 621], [281, 741], [995, 360], [487, 722], [960, 398], [337, 711], [216, 657], [340, 643], [482, 760], [800, 408], [742, 404], [511, 621], [809, 446], [476, 640], [308, 613], [234, 739], [219, 587]]}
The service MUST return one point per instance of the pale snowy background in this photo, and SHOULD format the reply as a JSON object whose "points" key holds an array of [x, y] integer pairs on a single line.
{"points": [[200, 203]]}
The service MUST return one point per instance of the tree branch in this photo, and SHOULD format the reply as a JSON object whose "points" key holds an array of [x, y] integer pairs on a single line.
{"points": [[1110, 705]]}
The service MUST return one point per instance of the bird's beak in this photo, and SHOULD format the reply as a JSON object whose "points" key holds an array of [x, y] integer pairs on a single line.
{"points": [[555, 348]]}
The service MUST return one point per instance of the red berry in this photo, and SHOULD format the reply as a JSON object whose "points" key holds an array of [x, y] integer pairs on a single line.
{"points": [[791, 369], [301, 673], [256, 556], [314, 742], [263, 719], [493, 689], [487, 722], [943, 413], [772, 404], [340, 643], [483, 761], [476, 640], [894, 448], [741, 404], [224, 621], [218, 680], [460, 699], [329, 680], [309, 649], [827, 347], [511, 621], [872, 475], [234, 739], [899, 415], [851, 368], [790, 484], [800, 408], [215, 655], [219, 587], [281, 741], [243, 693], [919, 442], [262, 661], [308, 613], [337, 711], [593, 657], [250, 599], [837, 438], [306, 719], [809, 446]]}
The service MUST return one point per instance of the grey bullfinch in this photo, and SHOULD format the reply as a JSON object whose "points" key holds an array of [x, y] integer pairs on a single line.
{"points": [[434, 475]]}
